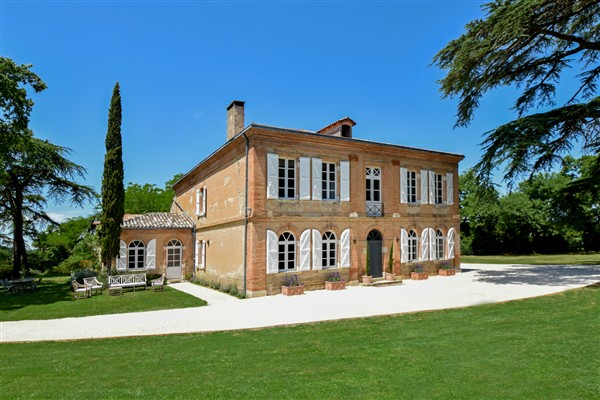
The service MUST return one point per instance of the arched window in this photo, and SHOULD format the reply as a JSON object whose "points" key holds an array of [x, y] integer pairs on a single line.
{"points": [[137, 255], [439, 245], [412, 246], [329, 250], [174, 248], [287, 252]]}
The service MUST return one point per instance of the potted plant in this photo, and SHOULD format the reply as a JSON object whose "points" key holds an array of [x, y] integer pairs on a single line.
{"points": [[389, 275], [418, 273], [446, 270], [291, 286], [335, 282], [367, 277]]}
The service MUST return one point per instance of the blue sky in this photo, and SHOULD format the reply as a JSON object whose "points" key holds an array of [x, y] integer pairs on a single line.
{"points": [[295, 64]]}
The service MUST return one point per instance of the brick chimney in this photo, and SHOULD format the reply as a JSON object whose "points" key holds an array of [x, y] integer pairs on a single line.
{"points": [[235, 118]]}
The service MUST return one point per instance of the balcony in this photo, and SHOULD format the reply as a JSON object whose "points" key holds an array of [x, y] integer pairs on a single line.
{"points": [[374, 209]]}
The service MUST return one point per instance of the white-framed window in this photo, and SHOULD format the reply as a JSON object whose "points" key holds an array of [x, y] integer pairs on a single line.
{"points": [[286, 252], [439, 245], [373, 184], [136, 255], [328, 181], [174, 250], [328, 250], [411, 186], [438, 189], [412, 246], [287, 178]]}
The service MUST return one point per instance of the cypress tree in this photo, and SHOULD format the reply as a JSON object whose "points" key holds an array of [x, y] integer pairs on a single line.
{"points": [[113, 192]]}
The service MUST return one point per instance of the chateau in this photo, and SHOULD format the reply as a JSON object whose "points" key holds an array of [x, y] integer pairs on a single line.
{"points": [[273, 201]]}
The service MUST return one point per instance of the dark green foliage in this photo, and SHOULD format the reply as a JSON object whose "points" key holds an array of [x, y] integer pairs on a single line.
{"points": [[530, 44], [540, 216], [113, 192], [146, 198], [391, 259]]}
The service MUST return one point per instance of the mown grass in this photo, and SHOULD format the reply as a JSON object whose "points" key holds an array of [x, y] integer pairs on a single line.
{"points": [[536, 259], [541, 348], [54, 299]]}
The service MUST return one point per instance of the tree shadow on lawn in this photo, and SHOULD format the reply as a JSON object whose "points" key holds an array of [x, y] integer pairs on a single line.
{"points": [[547, 275], [46, 293]]}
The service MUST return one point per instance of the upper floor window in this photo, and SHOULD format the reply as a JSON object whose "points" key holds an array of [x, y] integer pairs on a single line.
{"points": [[438, 189], [411, 186], [287, 178], [373, 184], [287, 252], [136, 254], [328, 182]]}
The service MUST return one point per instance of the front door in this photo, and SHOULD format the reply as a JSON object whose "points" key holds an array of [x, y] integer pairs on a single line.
{"points": [[174, 250], [374, 242]]}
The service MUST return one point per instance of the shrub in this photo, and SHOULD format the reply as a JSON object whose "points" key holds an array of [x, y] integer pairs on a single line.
{"points": [[80, 274]]}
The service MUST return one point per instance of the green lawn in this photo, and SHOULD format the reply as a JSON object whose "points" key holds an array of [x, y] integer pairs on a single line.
{"points": [[54, 299], [536, 259], [542, 348]]}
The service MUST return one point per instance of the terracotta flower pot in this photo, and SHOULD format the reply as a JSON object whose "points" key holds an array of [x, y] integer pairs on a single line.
{"points": [[335, 285], [366, 279], [292, 290], [389, 276], [419, 276], [446, 272]]}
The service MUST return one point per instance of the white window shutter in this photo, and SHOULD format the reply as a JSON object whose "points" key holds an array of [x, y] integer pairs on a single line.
{"points": [[345, 249], [424, 191], [272, 176], [196, 254], [272, 253], [403, 245], [450, 240], [345, 180], [203, 255], [204, 193], [449, 188], [151, 254], [304, 178], [403, 186], [317, 173], [198, 202], [317, 250], [425, 245], [122, 259], [305, 251], [431, 187], [432, 244]]}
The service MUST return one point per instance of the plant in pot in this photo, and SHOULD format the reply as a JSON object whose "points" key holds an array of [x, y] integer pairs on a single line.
{"points": [[389, 275], [291, 286], [367, 277], [418, 273], [446, 270], [335, 282]]}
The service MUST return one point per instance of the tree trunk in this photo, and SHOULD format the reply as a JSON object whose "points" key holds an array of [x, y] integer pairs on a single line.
{"points": [[19, 251]]}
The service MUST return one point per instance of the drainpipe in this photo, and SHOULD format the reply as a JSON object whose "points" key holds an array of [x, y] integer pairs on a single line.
{"points": [[246, 215], [193, 233]]}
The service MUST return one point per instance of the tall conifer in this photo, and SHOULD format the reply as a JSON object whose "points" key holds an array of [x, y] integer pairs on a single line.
{"points": [[113, 192]]}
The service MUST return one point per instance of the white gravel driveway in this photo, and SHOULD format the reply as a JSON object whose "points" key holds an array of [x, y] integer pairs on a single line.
{"points": [[478, 284]]}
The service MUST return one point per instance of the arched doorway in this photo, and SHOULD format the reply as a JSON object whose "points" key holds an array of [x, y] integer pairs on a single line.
{"points": [[374, 241], [174, 256]]}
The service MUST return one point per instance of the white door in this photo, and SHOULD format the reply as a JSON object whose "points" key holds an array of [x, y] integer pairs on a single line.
{"points": [[174, 256]]}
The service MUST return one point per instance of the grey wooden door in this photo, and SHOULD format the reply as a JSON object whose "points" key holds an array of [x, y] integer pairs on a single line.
{"points": [[374, 241]]}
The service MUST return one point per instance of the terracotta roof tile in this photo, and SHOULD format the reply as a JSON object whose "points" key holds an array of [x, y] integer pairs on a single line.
{"points": [[156, 220]]}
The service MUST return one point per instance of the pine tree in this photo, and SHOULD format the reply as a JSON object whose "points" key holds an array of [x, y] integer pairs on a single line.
{"points": [[113, 192]]}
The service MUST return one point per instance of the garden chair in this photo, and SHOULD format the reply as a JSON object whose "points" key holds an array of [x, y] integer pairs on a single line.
{"points": [[7, 287], [34, 285], [93, 283], [81, 290], [158, 284]]}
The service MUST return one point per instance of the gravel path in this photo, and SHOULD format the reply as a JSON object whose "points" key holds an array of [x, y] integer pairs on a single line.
{"points": [[477, 284]]}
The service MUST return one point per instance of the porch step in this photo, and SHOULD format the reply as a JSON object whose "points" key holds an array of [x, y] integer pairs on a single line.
{"points": [[382, 282]]}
